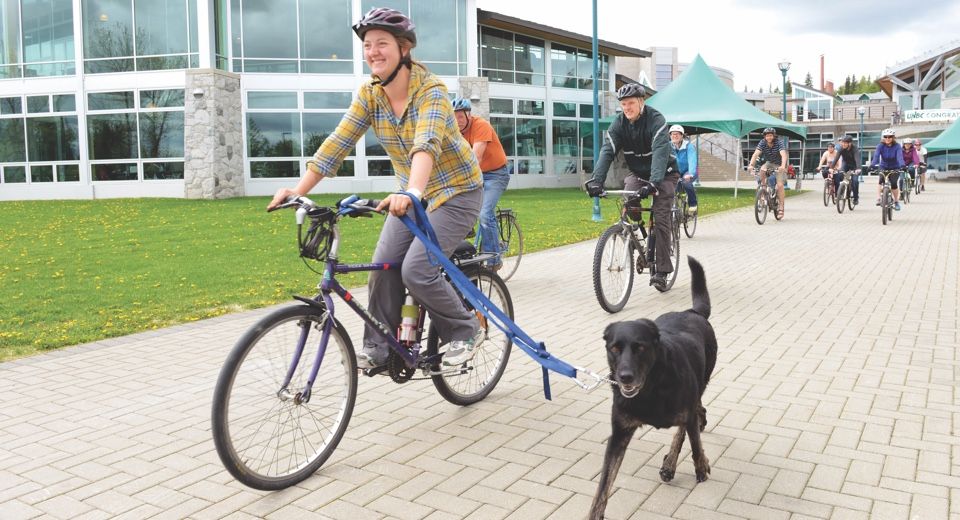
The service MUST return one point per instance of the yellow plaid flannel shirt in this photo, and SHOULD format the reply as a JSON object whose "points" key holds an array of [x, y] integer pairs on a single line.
{"points": [[427, 125]]}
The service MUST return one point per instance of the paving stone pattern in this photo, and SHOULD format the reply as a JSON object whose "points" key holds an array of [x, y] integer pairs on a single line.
{"points": [[835, 396]]}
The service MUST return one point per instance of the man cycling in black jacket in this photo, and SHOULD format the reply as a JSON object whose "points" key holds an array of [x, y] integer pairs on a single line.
{"points": [[640, 132]]}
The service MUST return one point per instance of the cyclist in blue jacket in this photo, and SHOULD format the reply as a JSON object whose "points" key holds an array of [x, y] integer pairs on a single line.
{"points": [[889, 156], [686, 163]]}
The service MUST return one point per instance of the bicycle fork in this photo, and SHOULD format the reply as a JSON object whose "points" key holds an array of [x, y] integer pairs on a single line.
{"points": [[303, 396]]}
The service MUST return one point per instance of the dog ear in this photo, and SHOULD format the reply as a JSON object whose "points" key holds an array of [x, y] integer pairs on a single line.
{"points": [[608, 332], [651, 329]]}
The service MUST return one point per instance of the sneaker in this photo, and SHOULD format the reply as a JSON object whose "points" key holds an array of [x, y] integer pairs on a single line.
{"points": [[463, 350], [659, 279], [896, 206], [878, 202], [691, 210], [368, 358], [923, 187], [856, 202]]}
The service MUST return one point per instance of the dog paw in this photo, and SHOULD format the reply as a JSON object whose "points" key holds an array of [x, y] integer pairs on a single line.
{"points": [[702, 469], [666, 474]]}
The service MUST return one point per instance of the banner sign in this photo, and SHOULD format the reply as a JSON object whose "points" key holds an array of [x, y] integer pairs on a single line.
{"points": [[945, 114]]}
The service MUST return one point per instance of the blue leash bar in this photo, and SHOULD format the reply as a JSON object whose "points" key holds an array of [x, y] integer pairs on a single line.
{"points": [[422, 229]]}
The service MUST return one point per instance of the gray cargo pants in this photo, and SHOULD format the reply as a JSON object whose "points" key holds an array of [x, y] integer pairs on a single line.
{"points": [[451, 222], [662, 209]]}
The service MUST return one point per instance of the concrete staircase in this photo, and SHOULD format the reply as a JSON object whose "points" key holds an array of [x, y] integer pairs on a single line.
{"points": [[713, 168]]}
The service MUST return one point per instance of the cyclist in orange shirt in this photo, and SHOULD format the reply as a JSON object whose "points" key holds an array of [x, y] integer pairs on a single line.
{"points": [[496, 172]]}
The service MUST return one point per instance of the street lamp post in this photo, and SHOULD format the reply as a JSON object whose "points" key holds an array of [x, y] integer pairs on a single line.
{"points": [[784, 66], [861, 111]]}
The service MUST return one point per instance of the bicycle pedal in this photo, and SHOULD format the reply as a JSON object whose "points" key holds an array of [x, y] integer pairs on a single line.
{"points": [[370, 372]]}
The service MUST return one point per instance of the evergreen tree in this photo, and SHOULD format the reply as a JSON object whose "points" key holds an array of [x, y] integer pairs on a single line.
{"points": [[808, 81], [789, 88]]}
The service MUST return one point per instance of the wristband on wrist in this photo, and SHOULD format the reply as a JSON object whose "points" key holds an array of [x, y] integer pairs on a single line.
{"points": [[415, 192]]}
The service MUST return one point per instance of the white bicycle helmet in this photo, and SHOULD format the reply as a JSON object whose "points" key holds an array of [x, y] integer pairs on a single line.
{"points": [[889, 132], [677, 128]]}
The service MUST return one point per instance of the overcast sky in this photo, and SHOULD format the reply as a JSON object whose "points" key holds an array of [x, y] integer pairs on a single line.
{"points": [[749, 37]]}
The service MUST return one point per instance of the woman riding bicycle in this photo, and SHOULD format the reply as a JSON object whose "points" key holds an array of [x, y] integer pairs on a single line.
{"points": [[911, 159], [410, 112], [889, 156], [686, 163]]}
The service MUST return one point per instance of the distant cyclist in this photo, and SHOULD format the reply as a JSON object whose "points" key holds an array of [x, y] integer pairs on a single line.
{"points": [[889, 156], [496, 172], [827, 158], [922, 151], [847, 159], [775, 157], [640, 132], [686, 163], [911, 159]]}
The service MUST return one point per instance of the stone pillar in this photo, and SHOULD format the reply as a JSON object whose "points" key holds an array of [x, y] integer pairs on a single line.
{"points": [[212, 135], [477, 90]]}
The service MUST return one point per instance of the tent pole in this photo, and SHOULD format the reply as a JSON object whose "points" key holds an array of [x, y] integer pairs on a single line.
{"points": [[736, 169], [803, 153]]}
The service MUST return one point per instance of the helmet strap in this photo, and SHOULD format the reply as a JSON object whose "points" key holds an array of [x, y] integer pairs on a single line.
{"points": [[405, 60]]}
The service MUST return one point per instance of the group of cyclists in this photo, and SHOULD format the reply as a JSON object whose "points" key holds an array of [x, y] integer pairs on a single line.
{"points": [[453, 163]]}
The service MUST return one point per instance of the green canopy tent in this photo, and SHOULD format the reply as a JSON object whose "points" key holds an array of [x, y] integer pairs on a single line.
{"points": [[949, 139], [702, 103]]}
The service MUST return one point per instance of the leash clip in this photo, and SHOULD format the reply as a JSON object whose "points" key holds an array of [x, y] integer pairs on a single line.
{"points": [[588, 385]]}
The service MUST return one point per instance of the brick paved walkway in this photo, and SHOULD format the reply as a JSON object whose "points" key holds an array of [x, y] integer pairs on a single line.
{"points": [[835, 396]]}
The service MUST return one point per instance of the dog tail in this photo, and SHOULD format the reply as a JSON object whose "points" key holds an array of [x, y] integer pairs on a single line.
{"points": [[698, 286]]}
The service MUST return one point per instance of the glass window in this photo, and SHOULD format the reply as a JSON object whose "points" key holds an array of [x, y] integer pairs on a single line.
{"points": [[496, 49], [163, 171], [565, 110], [11, 105], [64, 103], [531, 137], [530, 108], [335, 40], [274, 169], [161, 134], [38, 104], [108, 33], [161, 98], [112, 136], [41, 173], [53, 138], [565, 138], [930, 101], [68, 173], [316, 128], [161, 27], [271, 100], [503, 126], [586, 111], [527, 166], [323, 100], [10, 57], [48, 37], [373, 146], [563, 60], [436, 31], [262, 37], [951, 77], [273, 134], [529, 59], [11, 140], [110, 100], [501, 106], [114, 172], [379, 169], [15, 174]]}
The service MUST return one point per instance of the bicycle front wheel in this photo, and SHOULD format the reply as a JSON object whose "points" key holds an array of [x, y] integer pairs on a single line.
{"points": [[270, 436], [826, 193], [475, 379], [885, 204], [511, 244], [760, 206], [841, 198], [613, 268], [689, 221]]}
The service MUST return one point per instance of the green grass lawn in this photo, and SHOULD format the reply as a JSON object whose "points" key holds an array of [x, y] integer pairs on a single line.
{"points": [[79, 271]]}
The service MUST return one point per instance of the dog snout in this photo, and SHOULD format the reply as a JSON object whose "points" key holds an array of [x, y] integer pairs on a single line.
{"points": [[626, 377]]}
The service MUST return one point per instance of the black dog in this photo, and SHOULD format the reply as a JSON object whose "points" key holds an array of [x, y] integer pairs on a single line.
{"points": [[662, 368]]}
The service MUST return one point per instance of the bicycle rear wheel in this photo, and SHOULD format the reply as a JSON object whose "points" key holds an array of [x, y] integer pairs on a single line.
{"points": [[475, 379], [269, 436], [826, 193], [841, 198], [906, 191], [760, 206], [674, 257], [613, 268], [511, 244]]}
